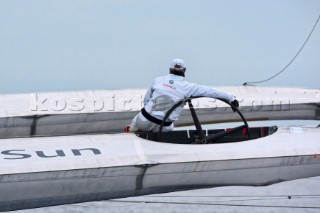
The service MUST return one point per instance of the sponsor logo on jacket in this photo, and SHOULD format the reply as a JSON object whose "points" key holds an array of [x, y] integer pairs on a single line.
{"points": [[170, 86]]}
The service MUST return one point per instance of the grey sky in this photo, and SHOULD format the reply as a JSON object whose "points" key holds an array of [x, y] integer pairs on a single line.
{"points": [[59, 45]]}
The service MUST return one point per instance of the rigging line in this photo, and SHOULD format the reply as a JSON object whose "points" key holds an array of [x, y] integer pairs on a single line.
{"points": [[248, 198], [252, 199], [256, 199], [225, 196], [283, 69], [213, 204], [238, 200]]}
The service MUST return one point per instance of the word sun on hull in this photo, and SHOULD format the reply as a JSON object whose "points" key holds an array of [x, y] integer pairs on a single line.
{"points": [[52, 170]]}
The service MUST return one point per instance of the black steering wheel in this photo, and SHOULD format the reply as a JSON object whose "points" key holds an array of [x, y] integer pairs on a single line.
{"points": [[202, 137]]}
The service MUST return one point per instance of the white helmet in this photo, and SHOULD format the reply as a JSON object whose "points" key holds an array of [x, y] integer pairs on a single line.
{"points": [[177, 64]]}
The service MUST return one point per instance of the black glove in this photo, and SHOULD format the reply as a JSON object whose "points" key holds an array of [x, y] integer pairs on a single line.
{"points": [[234, 104]]}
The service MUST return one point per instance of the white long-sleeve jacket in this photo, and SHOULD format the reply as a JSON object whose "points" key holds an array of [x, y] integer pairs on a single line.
{"points": [[169, 89]]}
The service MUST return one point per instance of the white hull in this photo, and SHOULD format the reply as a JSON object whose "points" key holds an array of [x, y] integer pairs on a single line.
{"points": [[96, 167], [25, 115]]}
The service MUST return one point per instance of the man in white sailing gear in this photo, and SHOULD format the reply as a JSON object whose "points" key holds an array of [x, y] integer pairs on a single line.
{"points": [[166, 91]]}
